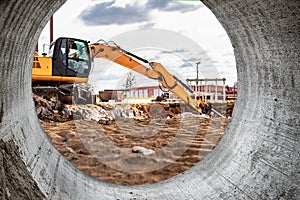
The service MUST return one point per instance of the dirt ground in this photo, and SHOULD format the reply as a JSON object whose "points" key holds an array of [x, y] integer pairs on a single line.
{"points": [[105, 150]]}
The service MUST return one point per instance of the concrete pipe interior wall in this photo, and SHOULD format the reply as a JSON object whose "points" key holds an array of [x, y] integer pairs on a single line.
{"points": [[258, 158]]}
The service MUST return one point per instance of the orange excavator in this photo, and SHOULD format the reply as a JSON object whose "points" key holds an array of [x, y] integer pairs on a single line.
{"points": [[69, 62]]}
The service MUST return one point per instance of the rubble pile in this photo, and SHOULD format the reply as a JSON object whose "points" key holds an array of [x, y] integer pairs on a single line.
{"points": [[50, 108], [89, 112], [105, 112]]}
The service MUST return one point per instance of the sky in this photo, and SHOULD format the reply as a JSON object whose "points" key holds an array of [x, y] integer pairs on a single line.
{"points": [[177, 34]]}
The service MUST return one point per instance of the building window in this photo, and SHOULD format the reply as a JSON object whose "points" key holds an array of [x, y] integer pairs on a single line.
{"points": [[145, 93]]}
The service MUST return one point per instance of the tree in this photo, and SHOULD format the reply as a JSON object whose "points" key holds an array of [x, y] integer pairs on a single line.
{"points": [[130, 81]]}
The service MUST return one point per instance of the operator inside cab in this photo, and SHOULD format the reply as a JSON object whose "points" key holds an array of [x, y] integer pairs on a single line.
{"points": [[77, 52], [70, 58], [201, 104]]}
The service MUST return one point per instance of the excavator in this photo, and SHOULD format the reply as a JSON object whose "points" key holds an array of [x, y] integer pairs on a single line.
{"points": [[69, 62]]}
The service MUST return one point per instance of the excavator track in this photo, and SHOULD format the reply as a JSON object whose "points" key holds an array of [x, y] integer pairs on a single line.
{"points": [[65, 93]]}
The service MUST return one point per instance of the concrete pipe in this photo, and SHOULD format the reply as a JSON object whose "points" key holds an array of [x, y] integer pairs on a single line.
{"points": [[258, 157]]}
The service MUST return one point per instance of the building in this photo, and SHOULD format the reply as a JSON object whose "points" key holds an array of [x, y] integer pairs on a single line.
{"points": [[209, 92], [213, 89], [143, 92]]}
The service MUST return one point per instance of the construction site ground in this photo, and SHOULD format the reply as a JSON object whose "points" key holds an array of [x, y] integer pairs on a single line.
{"points": [[70, 126]]}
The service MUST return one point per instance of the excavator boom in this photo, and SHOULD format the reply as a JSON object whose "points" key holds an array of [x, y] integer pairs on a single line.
{"points": [[156, 71]]}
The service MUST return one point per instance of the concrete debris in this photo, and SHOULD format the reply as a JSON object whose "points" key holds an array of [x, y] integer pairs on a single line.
{"points": [[122, 112], [143, 150], [51, 109], [105, 121], [192, 115], [88, 112]]}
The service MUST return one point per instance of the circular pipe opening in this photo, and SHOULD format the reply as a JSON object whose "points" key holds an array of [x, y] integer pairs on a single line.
{"points": [[257, 158], [176, 140]]}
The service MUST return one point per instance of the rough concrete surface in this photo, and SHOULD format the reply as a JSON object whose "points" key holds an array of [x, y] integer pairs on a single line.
{"points": [[258, 157], [15, 179]]}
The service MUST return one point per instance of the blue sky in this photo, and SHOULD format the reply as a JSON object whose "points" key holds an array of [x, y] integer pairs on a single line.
{"points": [[177, 34]]}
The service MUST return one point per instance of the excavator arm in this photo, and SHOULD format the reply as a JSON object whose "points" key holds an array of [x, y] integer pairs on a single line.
{"points": [[156, 71]]}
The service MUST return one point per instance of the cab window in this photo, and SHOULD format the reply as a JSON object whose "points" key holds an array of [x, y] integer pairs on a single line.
{"points": [[78, 56]]}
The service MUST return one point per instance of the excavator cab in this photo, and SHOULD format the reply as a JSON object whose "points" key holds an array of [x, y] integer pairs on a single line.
{"points": [[71, 58], [67, 64]]}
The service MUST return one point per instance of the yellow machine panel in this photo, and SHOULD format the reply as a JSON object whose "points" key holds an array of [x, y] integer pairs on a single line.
{"points": [[42, 66], [63, 79], [42, 71]]}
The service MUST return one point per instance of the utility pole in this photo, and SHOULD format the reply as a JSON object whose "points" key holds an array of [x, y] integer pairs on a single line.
{"points": [[197, 70], [51, 29], [51, 35], [197, 76]]}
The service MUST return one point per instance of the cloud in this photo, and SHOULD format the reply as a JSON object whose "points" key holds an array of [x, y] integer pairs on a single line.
{"points": [[229, 53], [170, 6], [174, 51], [186, 64], [180, 50], [108, 13], [147, 25], [194, 59]]}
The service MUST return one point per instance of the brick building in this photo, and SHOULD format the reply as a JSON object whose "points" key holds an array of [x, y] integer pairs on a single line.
{"points": [[143, 92]]}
